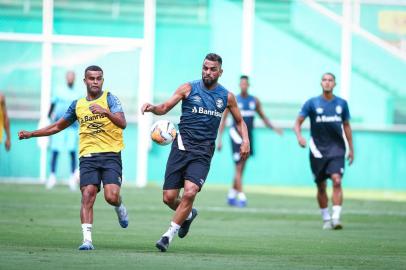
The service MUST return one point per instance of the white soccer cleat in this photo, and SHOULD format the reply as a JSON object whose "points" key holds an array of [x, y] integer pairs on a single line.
{"points": [[327, 225], [337, 224], [51, 181]]}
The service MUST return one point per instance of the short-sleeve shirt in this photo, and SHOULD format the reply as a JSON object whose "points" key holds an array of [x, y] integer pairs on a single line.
{"points": [[326, 125]]}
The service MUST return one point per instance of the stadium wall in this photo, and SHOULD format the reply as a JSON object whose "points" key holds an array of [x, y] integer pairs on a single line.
{"points": [[380, 160]]}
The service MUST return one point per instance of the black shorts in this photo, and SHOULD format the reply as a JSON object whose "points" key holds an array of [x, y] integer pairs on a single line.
{"points": [[323, 168], [186, 165], [100, 168]]}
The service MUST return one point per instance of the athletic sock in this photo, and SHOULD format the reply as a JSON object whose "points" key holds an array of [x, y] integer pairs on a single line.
{"points": [[336, 211], [173, 229], [241, 196], [232, 193], [325, 214], [119, 208], [87, 232]]}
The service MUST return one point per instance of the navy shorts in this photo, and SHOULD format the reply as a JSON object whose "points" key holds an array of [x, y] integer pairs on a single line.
{"points": [[323, 168], [186, 165], [235, 147], [100, 168]]}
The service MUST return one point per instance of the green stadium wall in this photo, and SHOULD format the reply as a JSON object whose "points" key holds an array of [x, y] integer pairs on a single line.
{"points": [[380, 160]]}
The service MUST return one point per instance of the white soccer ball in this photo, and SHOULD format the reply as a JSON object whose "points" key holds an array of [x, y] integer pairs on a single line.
{"points": [[163, 132]]}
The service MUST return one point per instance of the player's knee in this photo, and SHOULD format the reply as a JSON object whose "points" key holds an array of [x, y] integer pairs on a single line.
{"points": [[112, 198], [88, 195], [336, 181], [169, 199], [189, 194]]}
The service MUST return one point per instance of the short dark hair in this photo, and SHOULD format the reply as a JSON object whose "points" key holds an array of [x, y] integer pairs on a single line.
{"points": [[329, 73], [244, 77], [93, 68], [214, 57]]}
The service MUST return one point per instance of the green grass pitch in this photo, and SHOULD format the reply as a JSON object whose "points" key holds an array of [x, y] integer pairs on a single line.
{"points": [[40, 229]]}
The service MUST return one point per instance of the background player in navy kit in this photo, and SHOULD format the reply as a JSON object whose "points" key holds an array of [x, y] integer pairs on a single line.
{"points": [[249, 106], [329, 115], [203, 102]]}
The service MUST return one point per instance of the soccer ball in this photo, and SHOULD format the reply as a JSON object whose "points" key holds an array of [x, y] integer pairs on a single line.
{"points": [[163, 132]]}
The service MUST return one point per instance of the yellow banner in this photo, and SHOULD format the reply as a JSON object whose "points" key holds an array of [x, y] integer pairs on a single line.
{"points": [[393, 22]]}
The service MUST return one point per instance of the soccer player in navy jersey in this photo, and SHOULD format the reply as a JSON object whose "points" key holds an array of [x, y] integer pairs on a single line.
{"points": [[249, 106], [203, 103], [329, 123]]}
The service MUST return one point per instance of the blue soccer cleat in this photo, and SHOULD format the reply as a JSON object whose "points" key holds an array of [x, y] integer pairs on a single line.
{"points": [[86, 246], [232, 201], [122, 215], [241, 203]]}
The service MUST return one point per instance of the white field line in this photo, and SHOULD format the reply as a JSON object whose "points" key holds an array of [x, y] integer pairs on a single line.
{"points": [[220, 209]]}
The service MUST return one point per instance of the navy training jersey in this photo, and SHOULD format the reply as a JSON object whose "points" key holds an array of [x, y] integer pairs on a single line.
{"points": [[326, 121], [248, 109], [201, 115]]}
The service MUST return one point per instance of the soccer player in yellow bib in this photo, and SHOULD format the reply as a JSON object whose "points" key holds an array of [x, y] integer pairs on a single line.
{"points": [[4, 123], [101, 123]]}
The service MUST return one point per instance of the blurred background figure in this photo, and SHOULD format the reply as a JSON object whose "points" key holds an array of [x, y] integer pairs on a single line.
{"points": [[4, 123], [329, 123], [66, 140], [249, 107]]}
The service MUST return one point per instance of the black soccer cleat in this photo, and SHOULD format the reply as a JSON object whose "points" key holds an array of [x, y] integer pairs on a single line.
{"points": [[162, 244], [184, 229]]}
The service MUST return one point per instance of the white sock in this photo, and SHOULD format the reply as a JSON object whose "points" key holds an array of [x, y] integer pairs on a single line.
{"points": [[232, 193], [173, 229], [336, 211], [241, 196], [189, 216], [87, 232], [325, 214], [118, 208]]}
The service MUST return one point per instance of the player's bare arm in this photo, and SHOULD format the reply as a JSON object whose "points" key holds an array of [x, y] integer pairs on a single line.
{"points": [[265, 119], [348, 135], [221, 129], [118, 118], [182, 92], [241, 126], [6, 122], [56, 127], [298, 131]]}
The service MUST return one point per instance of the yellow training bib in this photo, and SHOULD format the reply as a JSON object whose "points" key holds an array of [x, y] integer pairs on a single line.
{"points": [[97, 134]]}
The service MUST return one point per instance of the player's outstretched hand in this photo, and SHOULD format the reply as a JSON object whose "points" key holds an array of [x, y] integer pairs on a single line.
{"points": [[24, 135], [147, 107], [350, 157], [97, 109], [244, 151], [302, 142]]}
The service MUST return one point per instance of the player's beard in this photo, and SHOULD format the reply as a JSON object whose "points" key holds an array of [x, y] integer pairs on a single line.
{"points": [[209, 82], [94, 91]]}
